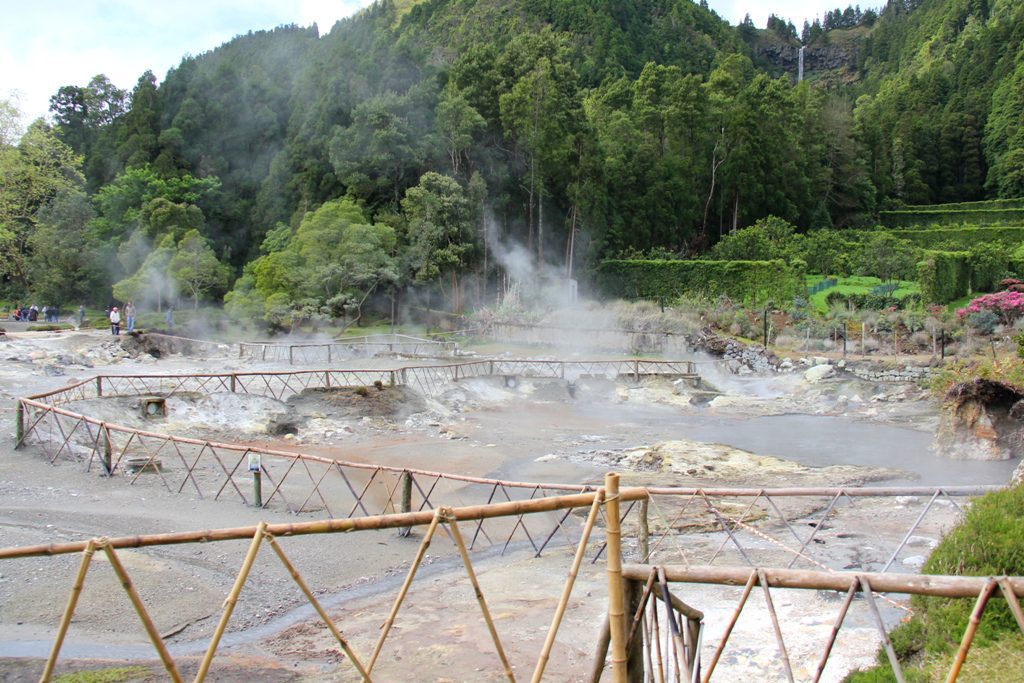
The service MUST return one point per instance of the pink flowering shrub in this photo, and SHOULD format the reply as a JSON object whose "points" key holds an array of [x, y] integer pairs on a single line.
{"points": [[1008, 306]]}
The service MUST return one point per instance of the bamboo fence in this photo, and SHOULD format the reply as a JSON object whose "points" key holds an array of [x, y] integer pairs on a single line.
{"points": [[351, 347], [754, 526], [642, 644]]}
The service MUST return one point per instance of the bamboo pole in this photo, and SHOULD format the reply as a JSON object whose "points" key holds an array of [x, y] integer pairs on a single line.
{"points": [[69, 610], [616, 610], [634, 593], [140, 609], [317, 606], [850, 594], [971, 630], [645, 532], [657, 644], [638, 613], [386, 626], [404, 532], [912, 584], [763, 580], [601, 651], [648, 662], [570, 581], [19, 432], [453, 526], [751, 580], [869, 597], [1011, 600], [376, 522], [678, 648], [231, 600]]}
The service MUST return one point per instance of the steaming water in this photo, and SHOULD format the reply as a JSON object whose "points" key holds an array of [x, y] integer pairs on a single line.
{"points": [[819, 441]]}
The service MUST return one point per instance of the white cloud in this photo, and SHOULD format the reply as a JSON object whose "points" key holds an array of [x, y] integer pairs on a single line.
{"points": [[46, 45]]}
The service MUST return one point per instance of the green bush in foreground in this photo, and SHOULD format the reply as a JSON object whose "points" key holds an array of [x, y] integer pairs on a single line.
{"points": [[989, 542]]}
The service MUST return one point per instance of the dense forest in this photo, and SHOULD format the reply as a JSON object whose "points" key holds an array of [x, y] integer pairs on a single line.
{"points": [[421, 143]]}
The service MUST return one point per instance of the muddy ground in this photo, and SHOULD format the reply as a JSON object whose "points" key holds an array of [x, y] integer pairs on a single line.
{"points": [[530, 432]]}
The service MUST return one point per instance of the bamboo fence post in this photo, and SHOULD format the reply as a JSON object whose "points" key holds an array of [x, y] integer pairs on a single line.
{"points": [[971, 630], [601, 651], [645, 531], [616, 612], [234, 380], [581, 550], [869, 596], [140, 609], [453, 526], [304, 587], [732, 623], [763, 580], [19, 430], [646, 627], [656, 637], [634, 649], [231, 600], [99, 385], [69, 610], [1011, 600], [850, 594], [678, 647], [108, 451], [406, 531], [639, 612], [386, 626]]}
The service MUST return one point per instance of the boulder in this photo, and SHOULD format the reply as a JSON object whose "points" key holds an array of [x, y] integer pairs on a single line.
{"points": [[819, 373]]}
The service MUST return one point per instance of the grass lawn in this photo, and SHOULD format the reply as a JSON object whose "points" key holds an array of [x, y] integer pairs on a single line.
{"points": [[855, 284]]}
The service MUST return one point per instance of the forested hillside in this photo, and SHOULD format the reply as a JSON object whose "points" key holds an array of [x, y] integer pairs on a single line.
{"points": [[427, 133]]}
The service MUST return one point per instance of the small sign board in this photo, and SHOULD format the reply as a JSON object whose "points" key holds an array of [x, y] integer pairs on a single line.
{"points": [[254, 462]]}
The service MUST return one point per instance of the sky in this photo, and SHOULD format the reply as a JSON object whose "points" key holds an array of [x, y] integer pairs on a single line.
{"points": [[45, 44]]}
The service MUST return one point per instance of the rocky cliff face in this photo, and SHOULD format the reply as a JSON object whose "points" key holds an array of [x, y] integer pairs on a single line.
{"points": [[982, 420], [817, 59]]}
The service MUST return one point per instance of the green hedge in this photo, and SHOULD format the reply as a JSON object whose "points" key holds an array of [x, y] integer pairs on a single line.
{"points": [[944, 276], [988, 204], [917, 217], [746, 281], [876, 302], [956, 238]]}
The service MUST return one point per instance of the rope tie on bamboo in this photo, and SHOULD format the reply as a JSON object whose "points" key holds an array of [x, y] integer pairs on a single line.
{"points": [[823, 567]]}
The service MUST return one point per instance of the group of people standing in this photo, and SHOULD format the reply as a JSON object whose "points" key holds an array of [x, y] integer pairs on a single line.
{"points": [[51, 314], [114, 315]]}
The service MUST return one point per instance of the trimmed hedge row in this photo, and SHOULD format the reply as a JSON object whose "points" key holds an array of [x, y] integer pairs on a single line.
{"points": [[968, 206], [957, 238], [917, 218], [872, 301], [746, 281]]}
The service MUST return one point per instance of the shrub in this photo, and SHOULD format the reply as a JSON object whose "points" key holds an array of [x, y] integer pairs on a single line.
{"points": [[1006, 306], [944, 276], [988, 542], [984, 321]]}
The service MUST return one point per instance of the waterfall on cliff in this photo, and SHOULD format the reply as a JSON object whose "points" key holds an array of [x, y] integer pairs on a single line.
{"points": [[800, 65]]}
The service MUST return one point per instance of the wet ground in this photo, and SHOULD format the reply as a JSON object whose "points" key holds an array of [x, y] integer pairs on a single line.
{"points": [[533, 431]]}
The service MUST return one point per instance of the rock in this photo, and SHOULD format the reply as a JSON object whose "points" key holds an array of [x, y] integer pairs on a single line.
{"points": [[819, 373], [841, 363], [922, 542], [820, 360], [907, 500], [914, 561]]}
